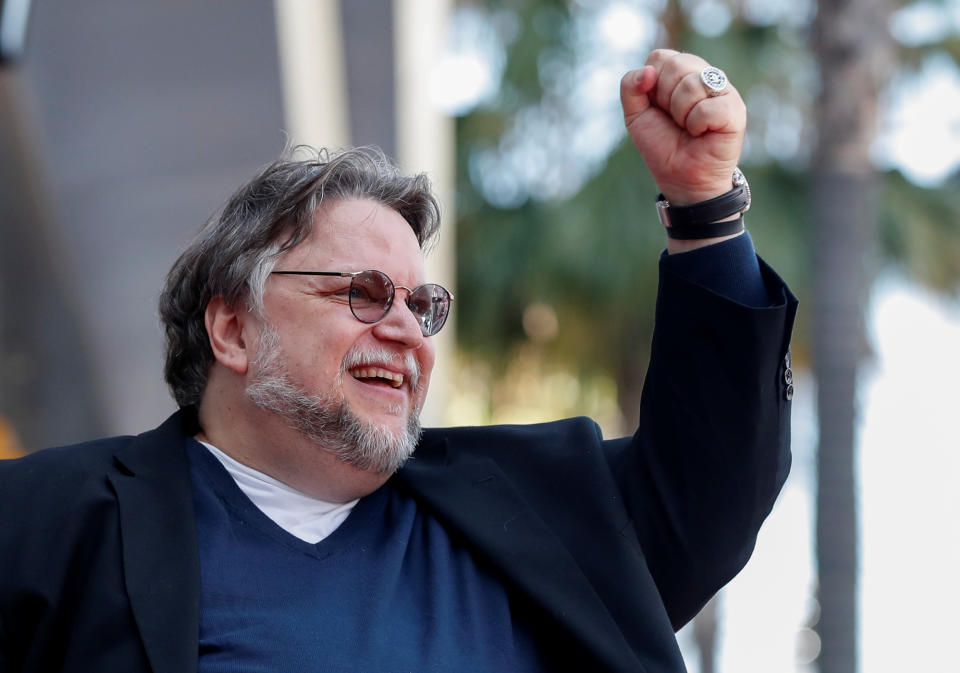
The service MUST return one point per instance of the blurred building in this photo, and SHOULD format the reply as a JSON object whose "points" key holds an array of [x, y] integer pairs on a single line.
{"points": [[124, 125]]}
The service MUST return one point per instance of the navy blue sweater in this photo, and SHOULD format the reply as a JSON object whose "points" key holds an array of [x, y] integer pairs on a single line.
{"points": [[388, 591]]}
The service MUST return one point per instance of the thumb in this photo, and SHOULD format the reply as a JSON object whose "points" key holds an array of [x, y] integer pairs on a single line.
{"points": [[635, 88], [652, 131]]}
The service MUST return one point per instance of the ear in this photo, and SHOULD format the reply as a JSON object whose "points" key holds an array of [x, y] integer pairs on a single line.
{"points": [[225, 328]]}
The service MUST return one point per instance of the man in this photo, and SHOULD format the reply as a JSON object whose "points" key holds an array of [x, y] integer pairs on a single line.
{"points": [[274, 523]]}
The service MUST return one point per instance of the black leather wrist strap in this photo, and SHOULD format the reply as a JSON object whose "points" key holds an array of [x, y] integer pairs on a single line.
{"points": [[735, 201], [711, 230], [703, 219]]}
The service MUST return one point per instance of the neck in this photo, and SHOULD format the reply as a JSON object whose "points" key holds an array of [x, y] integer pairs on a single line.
{"points": [[258, 439]]}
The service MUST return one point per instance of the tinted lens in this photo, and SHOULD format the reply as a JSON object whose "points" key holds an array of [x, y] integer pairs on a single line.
{"points": [[430, 303], [371, 294]]}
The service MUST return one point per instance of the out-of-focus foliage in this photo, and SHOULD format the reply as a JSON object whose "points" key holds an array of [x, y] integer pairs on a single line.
{"points": [[549, 218], [920, 231]]}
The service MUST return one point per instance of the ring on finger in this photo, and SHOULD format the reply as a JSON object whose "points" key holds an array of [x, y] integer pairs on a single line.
{"points": [[714, 79]]}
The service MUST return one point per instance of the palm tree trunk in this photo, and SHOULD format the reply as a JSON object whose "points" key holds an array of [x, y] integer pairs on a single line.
{"points": [[853, 51], [842, 233], [705, 635]]}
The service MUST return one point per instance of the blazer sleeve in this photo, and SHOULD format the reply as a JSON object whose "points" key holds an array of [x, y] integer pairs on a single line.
{"points": [[712, 449]]}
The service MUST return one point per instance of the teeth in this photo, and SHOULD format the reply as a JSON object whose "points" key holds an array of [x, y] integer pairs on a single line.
{"points": [[395, 380]]}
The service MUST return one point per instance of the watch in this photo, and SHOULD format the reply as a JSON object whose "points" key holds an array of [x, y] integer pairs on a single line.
{"points": [[700, 220]]}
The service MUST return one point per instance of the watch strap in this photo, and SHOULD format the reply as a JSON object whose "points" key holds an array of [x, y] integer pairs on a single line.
{"points": [[737, 200], [710, 230]]}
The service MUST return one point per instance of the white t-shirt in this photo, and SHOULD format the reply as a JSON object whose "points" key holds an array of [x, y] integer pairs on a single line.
{"points": [[307, 518]]}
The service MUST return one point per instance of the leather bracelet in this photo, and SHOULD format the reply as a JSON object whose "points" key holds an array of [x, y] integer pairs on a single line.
{"points": [[699, 216], [711, 230]]}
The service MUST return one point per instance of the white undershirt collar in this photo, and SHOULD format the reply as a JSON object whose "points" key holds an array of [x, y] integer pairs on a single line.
{"points": [[297, 513]]}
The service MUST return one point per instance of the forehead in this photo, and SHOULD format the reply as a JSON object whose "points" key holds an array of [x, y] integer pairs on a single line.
{"points": [[357, 234]]}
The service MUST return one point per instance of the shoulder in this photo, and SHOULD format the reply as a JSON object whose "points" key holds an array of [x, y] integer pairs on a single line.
{"points": [[69, 474], [569, 450], [59, 467], [555, 435], [64, 494]]}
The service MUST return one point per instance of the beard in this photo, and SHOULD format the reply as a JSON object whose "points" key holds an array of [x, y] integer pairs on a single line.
{"points": [[327, 420]]}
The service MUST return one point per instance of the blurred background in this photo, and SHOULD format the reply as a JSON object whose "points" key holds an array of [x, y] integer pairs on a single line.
{"points": [[124, 124]]}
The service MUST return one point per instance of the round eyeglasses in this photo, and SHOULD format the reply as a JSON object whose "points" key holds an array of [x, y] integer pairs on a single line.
{"points": [[372, 293]]}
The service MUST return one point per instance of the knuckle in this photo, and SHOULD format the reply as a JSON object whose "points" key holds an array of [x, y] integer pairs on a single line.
{"points": [[690, 85], [662, 53]]}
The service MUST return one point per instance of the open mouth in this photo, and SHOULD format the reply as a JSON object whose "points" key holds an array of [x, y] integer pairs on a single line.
{"points": [[376, 375]]}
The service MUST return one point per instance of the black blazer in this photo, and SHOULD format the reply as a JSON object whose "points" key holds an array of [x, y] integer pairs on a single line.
{"points": [[610, 544]]}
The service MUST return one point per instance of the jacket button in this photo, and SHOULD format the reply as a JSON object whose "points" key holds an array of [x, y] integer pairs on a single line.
{"points": [[789, 392], [788, 376]]}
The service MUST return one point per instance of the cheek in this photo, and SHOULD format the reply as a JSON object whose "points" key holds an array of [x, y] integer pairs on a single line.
{"points": [[312, 353], [427, 358]]}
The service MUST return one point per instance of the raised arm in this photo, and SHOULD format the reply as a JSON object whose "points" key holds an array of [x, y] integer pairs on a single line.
{"points": [[712, 448]]}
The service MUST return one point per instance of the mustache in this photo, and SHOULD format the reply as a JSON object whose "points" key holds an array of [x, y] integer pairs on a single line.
{"points": [[360, 356]]}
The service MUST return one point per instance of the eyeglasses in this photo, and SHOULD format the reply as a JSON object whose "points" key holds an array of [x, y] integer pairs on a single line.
{"points": [[372, 293]]}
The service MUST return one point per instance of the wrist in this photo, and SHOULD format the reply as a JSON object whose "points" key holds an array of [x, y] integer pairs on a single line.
{"points": [[676, 246], [703, 188], [689, 197], [715, 217]]}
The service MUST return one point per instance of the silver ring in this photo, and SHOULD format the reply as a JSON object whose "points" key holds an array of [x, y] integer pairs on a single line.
{"points": [[714, 79]]}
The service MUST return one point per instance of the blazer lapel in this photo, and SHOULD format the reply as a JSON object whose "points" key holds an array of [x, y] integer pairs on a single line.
{"points": [[474, 498], [159, 542]]}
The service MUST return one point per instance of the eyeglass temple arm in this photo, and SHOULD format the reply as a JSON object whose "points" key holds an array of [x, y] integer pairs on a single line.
{"points": [[339, 274]]}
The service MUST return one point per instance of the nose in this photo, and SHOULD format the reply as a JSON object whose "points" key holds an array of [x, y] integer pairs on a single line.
{"points": [[400, 325]]}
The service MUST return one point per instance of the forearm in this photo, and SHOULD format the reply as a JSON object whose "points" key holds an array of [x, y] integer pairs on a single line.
{"points": [[712, 448]]}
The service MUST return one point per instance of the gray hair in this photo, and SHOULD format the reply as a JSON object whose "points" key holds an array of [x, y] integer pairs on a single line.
{"points": [[237, 248]]}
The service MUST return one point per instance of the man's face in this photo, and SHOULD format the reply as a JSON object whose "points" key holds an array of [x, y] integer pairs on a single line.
{"points": [[354, 388]]}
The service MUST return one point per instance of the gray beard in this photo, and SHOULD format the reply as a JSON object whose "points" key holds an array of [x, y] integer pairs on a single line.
{"points": [[327, 420]]}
